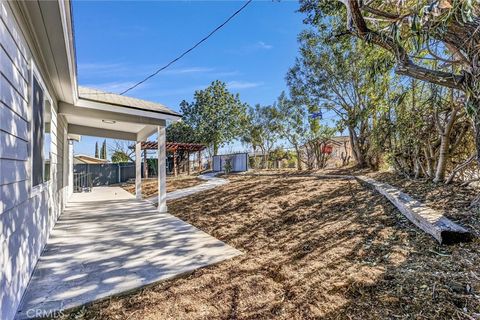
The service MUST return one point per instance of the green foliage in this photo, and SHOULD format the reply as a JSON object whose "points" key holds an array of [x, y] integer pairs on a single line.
{"points": [[228, 166], [182, 132], [260, 128], [97, 154], [103, 150], [120, 157], [216, 115]]}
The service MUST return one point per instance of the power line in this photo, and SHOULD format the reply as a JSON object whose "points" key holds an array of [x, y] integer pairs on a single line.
{"points": [[189, 50]]}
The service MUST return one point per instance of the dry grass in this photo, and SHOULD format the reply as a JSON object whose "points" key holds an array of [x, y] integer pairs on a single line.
{"points": [[150, 186], [313, 249]]}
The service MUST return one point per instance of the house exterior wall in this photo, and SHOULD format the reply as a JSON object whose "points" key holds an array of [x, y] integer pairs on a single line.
{"points": [[27, 214]]}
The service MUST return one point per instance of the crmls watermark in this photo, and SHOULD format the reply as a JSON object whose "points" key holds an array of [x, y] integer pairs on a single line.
{"points": [[41, 313]]}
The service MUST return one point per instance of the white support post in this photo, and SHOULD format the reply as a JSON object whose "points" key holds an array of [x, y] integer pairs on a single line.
{"points": [[162, 171], [138, 170]]}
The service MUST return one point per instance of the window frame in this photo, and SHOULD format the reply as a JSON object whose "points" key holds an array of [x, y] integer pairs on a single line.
{"points": [[35, 74]]}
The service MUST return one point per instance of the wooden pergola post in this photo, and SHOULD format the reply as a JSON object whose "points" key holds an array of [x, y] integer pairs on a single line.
{"points": [[175, 162], [199, 161], [188, 162]]}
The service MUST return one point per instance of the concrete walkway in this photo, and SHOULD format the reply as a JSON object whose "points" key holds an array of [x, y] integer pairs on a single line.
{"points": [[211, 181], [107, 242]]}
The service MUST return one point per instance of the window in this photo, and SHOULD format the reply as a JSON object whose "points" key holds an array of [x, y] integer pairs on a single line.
{"points": [[41, 118]]}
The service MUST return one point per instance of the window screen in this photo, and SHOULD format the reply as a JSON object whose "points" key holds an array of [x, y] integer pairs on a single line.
{"points": [[37, 132]]}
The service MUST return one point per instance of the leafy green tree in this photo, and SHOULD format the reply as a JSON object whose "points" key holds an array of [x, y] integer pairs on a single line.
{"points": [[415, 33], [120, 157], [333, 76], [182, 132], [96, 150], [293, 124], [260, 130], [216, 115], [103, 150]]}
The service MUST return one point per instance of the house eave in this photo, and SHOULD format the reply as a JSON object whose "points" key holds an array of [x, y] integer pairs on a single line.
{"points": [[53, 46]]}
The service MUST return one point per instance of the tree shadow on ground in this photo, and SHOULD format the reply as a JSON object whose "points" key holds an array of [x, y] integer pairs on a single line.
{"points": [[313, 249]]}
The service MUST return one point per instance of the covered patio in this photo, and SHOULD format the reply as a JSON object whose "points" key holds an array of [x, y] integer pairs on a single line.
{"points": [[102, 114], [107, 242]]}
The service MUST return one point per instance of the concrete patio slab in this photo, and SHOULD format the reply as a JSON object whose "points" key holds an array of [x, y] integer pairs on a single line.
{"points": [[107, 242]]}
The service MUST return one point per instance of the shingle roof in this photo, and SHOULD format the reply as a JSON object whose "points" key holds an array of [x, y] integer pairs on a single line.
{"points": [[116, 99]]}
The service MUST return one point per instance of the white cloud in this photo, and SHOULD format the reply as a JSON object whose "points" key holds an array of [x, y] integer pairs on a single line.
{"points": [[263, 45], [243, 84]]}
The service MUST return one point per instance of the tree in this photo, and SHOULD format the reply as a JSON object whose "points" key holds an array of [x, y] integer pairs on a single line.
{"points": [[292, 124], [122, 149], [182, 132], [96, 150], [103, 150], [215, 115], [261, 130], [415, 33], [333, 76], [120, 157]]}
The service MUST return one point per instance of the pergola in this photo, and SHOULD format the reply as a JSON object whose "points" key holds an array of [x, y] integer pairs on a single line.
{"points": [[173, 147]]}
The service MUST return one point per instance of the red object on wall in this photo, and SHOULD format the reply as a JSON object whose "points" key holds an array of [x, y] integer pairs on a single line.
{"points": [[327, 149]]}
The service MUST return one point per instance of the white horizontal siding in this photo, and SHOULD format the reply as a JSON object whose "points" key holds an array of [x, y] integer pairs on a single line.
{"points": [[12, 74], [12, 38], [13, 194], [12, 171], [27, 214], [12, 148], [11, 98], [12, 123]]}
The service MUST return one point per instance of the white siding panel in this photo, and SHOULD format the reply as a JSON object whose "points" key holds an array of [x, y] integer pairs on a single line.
{"points": [[12, 74], [13, 123], [12, 38], [12, 195], [12, 99], [12, 171], [12, 147]]}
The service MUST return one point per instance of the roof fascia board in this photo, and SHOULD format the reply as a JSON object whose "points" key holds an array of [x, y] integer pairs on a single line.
{"points": [[84, 103], [68, 109]]}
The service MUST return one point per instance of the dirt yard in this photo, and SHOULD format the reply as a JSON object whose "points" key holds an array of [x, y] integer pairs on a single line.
{"points": [[150, 186], [313, 249]]}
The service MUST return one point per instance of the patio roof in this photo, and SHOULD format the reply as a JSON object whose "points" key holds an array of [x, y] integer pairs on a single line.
{"points": [[123, 101], [102, 114]]}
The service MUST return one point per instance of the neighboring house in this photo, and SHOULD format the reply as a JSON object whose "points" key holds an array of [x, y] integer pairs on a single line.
{"points": [[41, 108], [84, 159], [340, 148]]}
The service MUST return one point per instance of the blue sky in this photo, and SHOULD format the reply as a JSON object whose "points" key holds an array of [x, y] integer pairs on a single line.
{"points": [[119, 43]]}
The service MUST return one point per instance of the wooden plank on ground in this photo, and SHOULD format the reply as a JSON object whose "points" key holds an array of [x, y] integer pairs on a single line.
{"points": [[429, 220]]}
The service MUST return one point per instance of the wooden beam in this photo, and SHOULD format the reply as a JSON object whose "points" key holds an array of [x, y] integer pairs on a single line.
{"points": [[429, 220], [188, 162]]}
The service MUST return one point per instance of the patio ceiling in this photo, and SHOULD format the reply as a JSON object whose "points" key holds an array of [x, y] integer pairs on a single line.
{"points": [[103, 114]]}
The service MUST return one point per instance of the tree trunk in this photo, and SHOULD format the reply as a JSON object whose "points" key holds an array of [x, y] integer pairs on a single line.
{"points": [[442, 158], [215, 148], [299, 162], [476, 129], [357, 153]]}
